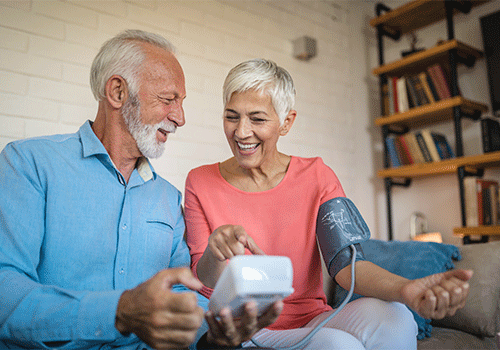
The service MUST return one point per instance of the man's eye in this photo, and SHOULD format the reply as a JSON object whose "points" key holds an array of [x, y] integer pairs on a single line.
{"points": [[231, 117]]}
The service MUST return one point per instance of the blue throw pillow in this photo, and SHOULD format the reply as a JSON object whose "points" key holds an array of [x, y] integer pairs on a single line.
{"points": [[412, 260]]}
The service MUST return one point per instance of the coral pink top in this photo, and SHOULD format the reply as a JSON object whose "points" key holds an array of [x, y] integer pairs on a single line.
{"points": [[282, 221]]}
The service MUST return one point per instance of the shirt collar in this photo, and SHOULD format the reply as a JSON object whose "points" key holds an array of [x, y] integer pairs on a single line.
{"points": [[92, 146]]}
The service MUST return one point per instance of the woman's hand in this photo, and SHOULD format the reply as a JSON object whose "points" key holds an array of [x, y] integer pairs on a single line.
{"points": [[439, 295], [225, 331], [224, 243], [230, 240]]}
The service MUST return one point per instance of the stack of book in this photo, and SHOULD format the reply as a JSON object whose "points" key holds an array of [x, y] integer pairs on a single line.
{"points": [[418, 147], [481, 202], [490, 129], [409, 91]]}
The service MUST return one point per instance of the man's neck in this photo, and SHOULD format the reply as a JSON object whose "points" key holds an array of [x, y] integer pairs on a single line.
{"points": [[118, 142]]}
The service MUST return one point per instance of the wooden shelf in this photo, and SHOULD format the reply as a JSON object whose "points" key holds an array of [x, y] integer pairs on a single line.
{"points": [[447, 166], [414, 15], [479, 230], [431, 113], [419, 61]]}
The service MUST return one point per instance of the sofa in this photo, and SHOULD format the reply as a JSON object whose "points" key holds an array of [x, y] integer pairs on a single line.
{"points": [[472, 327]]}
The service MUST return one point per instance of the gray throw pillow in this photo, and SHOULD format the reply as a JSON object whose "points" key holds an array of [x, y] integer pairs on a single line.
{"points": [[481, 311]]}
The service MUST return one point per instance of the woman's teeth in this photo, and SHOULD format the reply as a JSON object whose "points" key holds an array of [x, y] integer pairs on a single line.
{"points": [[247, 146]]}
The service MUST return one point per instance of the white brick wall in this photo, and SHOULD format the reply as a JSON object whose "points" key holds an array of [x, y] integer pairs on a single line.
{"points": [[46, 48]]}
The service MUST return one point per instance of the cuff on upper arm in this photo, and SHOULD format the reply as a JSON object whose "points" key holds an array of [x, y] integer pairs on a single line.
{"points": [[344, 257]]}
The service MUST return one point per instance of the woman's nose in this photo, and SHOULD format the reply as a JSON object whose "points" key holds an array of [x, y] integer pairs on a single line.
{"points": [[243, 129]]}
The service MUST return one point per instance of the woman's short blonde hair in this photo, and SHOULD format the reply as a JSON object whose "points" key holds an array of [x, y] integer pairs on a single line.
{"points": [[264, 76]]}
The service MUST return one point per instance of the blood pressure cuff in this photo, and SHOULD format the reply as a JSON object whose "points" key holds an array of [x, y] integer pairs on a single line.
{"points": [[338, 226]]}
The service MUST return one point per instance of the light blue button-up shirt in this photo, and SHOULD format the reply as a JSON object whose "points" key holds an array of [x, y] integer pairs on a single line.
{"points": [[73, 236]]}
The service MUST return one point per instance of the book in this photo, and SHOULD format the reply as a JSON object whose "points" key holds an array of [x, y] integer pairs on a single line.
{"points": [[442, 145], [431, 85], [404, 150], [494, 204], [442, 80], [392, 151], [423, 147], [385, 100], [422, 98], [437, 82], [484, 200], [490, 129], [431, 145], [412, 93], [471, 203], [428, 93], [412, 143], [390, 89], [479, 197], [396, 97], [403, 105]]}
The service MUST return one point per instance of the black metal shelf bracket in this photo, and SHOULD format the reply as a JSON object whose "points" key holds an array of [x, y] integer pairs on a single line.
{"points": [[398, 131], [462, 6], [476, 115], [405, 183], [469, 61], [379, 8]]}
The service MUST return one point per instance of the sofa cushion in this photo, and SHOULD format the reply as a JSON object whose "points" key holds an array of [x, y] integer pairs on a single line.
{"points": [[481, 311], [412, 260], [451, 339]]}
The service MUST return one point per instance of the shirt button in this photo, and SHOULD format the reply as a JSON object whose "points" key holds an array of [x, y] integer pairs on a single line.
{"points": [[124, 226], [121, 272]]}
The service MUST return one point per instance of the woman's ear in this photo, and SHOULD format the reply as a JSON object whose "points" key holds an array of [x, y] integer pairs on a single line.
{"points": [[116, 91], [288, 122]]}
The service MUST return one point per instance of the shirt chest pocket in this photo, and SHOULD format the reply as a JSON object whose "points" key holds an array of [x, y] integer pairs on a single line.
{"points": [[159, 239]]}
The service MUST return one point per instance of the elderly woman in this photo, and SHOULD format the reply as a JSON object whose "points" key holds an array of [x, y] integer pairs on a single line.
{"points": [[262, 201]]}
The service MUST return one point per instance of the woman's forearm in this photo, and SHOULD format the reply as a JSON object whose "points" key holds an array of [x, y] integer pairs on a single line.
{"points": [[209, 269], [372, 281]]}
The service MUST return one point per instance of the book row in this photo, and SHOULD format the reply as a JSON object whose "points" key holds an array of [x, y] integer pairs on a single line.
{"points": [[409, 91], [417, 147], [482, 203]]}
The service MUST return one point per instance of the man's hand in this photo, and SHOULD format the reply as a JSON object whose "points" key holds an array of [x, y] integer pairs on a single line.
{"points": [[225, 331], [439, 295], [161, 318], [230, 240]]}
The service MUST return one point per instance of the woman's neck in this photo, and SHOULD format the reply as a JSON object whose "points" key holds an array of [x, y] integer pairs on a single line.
{"points": [[257, 179]]}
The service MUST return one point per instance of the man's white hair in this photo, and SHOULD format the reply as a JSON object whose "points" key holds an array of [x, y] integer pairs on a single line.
{"points": [[266, 77], [122, 55]]}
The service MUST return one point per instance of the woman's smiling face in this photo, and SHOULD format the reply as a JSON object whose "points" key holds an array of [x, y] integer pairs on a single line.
{"points": [[252, 128]]}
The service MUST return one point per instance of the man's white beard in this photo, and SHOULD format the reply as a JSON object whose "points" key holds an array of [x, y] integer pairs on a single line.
{"points": [[144, 134]]}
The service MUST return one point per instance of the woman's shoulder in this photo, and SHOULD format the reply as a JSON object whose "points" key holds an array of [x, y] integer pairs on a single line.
{"points": [[308, 163], [203, 172]]}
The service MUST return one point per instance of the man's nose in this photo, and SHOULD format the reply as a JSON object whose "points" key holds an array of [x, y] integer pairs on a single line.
{"points": [[176, 115]]}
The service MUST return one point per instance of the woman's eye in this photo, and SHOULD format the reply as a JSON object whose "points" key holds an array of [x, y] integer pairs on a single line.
{"points": [[231, 117], [258, 120]]}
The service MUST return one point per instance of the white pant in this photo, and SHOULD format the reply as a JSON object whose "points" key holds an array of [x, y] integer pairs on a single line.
{"points": [[365, 323]]}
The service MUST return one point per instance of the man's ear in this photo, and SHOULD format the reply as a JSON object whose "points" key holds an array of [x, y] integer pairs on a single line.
{"points": [[116, 91], [288, 122]]}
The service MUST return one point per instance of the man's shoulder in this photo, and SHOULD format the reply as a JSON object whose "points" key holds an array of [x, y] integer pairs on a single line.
{"points": [[166, 185], [41, 144]]}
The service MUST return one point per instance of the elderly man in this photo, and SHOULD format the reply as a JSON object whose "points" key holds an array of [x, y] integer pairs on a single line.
{"points": [[92, 254]]}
